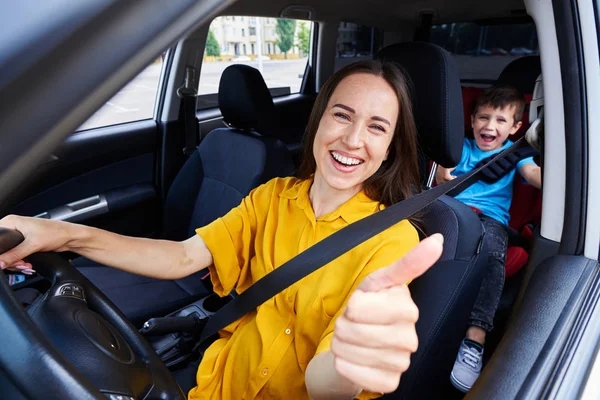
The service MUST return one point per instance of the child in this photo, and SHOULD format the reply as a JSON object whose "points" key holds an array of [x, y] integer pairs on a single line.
{"points": [[497, 115]]}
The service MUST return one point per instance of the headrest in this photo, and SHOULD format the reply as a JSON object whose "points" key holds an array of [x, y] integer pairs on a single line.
{"points": [[436, 98], [245, 100], [521, 74]]}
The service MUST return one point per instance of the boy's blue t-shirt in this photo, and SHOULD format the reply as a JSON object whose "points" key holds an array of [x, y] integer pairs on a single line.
{"points": [[493, 199]]}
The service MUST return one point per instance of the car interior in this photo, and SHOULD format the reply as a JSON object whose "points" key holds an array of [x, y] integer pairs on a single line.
{"points": [[92, 157]]}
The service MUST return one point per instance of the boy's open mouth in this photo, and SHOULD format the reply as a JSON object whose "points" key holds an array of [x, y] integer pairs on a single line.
{"points": [[487, 138]]}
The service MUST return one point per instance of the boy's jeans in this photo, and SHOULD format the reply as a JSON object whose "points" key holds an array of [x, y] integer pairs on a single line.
{"points": [[490, 291]]}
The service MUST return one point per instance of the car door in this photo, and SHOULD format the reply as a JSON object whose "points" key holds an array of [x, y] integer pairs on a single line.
{"points": [[102, 171], [103, 174], [550, 344]]}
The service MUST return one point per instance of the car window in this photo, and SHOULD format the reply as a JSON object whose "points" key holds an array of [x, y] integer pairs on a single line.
{"points": [[482, 51], [133, 102], [356, 43], [278, 47]]}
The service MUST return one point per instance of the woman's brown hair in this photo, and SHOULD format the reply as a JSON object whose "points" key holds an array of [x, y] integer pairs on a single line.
{"points": [[398, 177]]}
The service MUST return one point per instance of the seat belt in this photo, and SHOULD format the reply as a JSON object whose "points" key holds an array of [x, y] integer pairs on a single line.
{"points": [[188, 94], [494, 172], [332, 247], [499, 169], [423, 31]]}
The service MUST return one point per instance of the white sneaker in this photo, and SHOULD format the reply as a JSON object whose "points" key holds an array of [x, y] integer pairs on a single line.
{"points": [[467, 366]]}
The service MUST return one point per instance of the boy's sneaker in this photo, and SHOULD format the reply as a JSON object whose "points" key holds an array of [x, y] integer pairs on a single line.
{"points": [[467, 366]]}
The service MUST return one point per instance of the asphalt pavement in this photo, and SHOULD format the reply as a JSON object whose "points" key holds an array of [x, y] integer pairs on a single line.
{"points": [[136, 100]]}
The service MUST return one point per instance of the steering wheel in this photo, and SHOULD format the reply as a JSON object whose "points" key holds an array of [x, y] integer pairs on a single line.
{"points": [[73, 342]]}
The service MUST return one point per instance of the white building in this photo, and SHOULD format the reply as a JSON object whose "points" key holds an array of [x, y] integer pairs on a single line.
{"points": [[237, 35]]}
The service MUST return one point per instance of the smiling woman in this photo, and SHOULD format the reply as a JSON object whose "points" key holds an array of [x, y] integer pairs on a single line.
{"points": [[368, 138], [360, 157]]}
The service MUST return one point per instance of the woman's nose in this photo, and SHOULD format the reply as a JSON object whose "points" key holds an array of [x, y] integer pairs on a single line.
{"points": [[353, 137]]}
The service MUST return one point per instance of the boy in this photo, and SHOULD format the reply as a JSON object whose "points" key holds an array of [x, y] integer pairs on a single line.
{"points": [[497, 115]]}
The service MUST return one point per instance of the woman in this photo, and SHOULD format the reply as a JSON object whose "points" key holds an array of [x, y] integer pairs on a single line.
{"points": [[348, 329]]}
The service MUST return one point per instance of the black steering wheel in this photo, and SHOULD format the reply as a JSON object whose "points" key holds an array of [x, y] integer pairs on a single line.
{"points": [[73, 342]]}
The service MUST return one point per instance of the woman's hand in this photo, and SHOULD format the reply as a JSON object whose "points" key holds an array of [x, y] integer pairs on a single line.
{"points": [[40, 235], [160, 259], [375, 337]]}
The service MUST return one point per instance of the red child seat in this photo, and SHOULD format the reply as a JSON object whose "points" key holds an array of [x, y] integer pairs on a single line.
{"points": [[526, 201]]}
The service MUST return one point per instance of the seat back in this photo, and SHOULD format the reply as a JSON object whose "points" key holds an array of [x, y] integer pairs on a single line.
{"points": [[434, 117], [522, 74], [229, 162], [446, 292]]}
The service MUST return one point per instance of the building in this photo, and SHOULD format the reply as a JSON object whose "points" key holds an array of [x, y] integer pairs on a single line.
{"points": [[237, 36]]}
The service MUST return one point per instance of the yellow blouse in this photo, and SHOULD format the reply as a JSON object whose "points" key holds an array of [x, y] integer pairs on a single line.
{"points": [[264, 355]]}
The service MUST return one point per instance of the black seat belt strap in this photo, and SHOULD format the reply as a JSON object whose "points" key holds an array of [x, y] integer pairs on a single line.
{"points": [[501, 168], [188, 94], [330, 248]]}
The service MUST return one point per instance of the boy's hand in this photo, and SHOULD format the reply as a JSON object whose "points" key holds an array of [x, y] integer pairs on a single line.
{"points": [[443, 175], [532, 174], [375, 337]]}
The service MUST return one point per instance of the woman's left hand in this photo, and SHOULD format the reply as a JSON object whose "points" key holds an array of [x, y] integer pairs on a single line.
{"points": [[375, 337]]}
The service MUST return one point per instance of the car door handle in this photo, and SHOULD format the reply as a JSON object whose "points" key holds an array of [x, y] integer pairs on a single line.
{"points": [[78, 210]]}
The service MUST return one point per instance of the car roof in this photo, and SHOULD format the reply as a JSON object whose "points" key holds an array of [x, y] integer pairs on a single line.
{"points": [[385, 14]]}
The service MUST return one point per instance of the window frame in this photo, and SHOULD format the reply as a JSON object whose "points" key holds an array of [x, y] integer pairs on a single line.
{"points": [[276, 92]]}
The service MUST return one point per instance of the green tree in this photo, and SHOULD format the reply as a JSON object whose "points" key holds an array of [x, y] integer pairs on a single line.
{"points": [[304, 38], [212, 46], [285, 29]]}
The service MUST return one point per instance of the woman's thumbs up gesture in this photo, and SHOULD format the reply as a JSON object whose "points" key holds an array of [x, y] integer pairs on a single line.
{"points": [[375, 337]]}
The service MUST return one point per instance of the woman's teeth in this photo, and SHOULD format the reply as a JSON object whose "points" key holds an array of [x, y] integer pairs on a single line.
{"points": [[345, 160]]}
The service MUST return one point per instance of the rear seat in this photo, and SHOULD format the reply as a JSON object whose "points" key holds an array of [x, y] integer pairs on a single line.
{"points": [[446, 292], [526, 206]]}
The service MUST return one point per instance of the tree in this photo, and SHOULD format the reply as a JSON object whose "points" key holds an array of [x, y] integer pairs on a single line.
{"points": [[212, 46], [285, 29], [304, 38]]}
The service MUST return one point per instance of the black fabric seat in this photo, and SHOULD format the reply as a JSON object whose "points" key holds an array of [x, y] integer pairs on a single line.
{"points": [[521, 74], [446, 292], [227, 165]]}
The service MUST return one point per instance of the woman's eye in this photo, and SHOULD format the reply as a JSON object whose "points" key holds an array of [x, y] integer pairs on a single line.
{"points": [[342, 115], [378, 127]]}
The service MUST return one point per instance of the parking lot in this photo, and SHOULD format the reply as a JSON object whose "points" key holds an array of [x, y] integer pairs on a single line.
{"points": [[136, 100]]}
